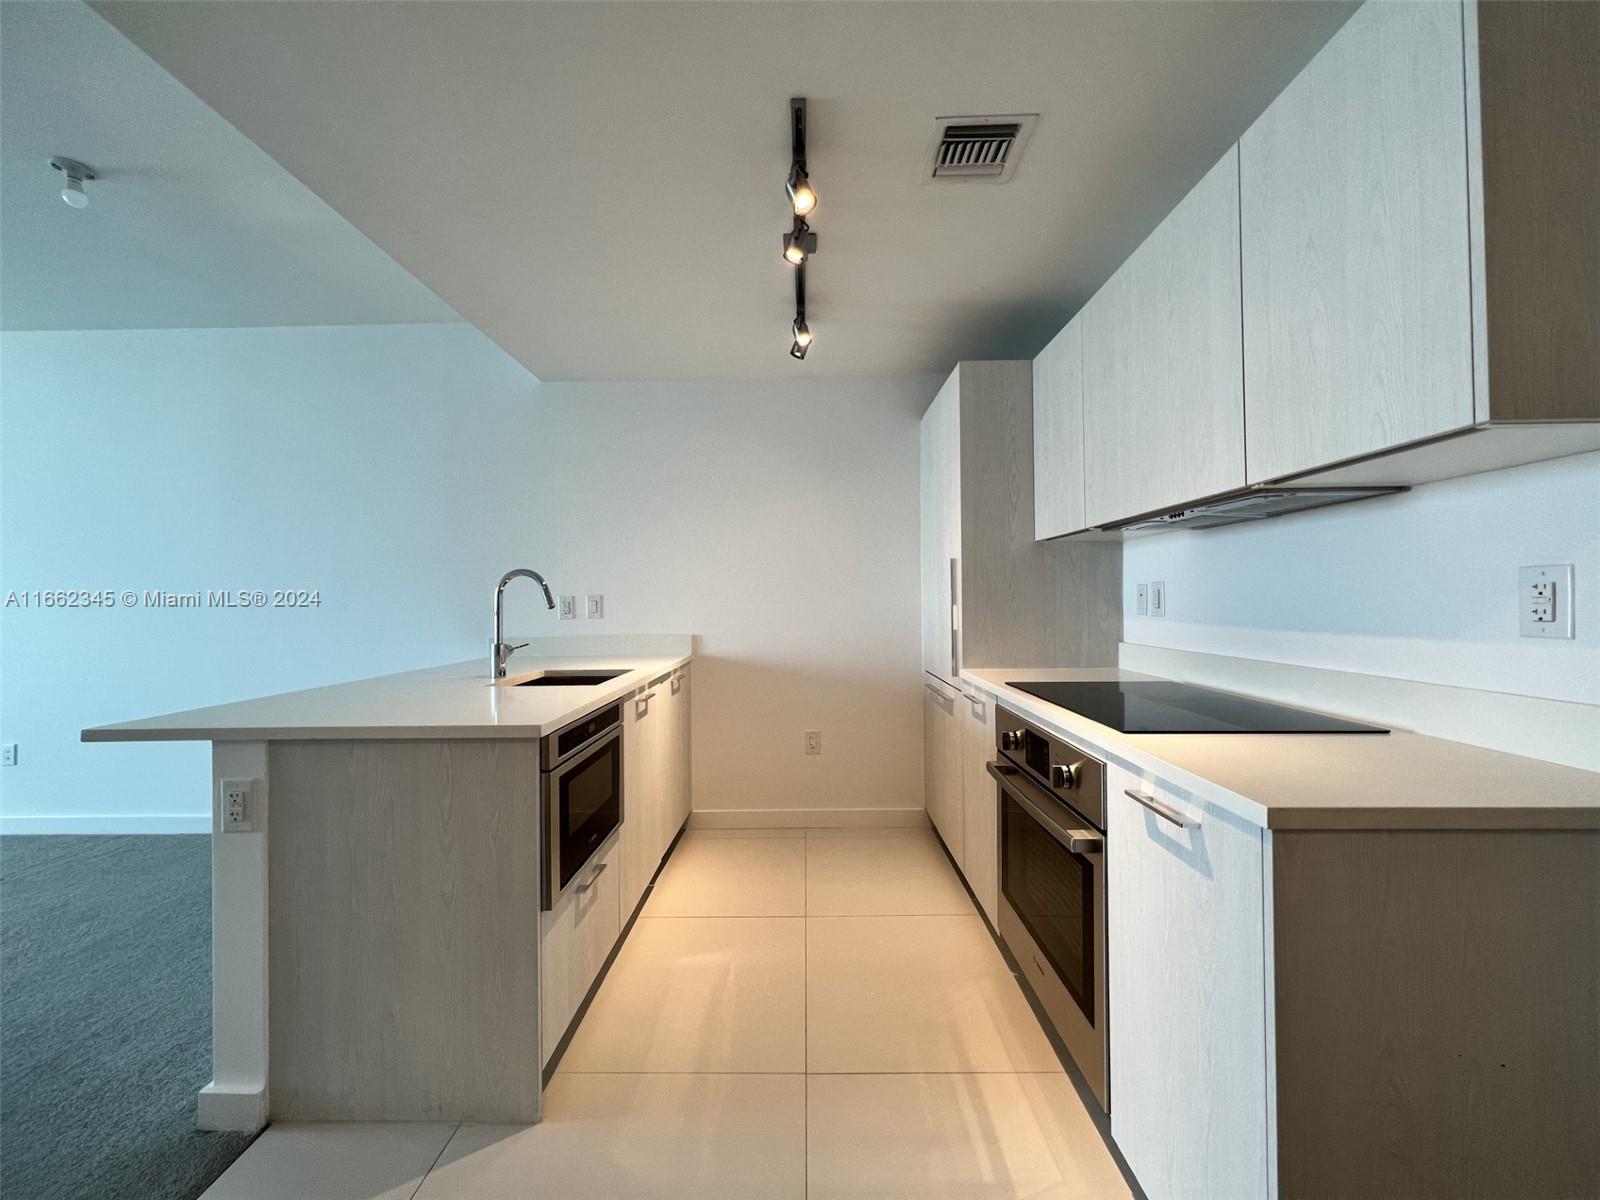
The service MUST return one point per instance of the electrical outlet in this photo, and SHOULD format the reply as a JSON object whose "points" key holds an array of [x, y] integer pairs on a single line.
{"points": [[597, 606], [813, 741], [1158, 599], [8, 755], [568, 606], [1141, 600], [1544, 601], [236, 805]]}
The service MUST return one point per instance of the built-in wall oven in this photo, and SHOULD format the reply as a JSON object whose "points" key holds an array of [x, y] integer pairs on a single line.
{"points": [[581, 793], [1053, 883]]}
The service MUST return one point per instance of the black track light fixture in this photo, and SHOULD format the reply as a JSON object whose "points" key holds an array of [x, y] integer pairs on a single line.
{"points": [[799, 244], [802, 196]]}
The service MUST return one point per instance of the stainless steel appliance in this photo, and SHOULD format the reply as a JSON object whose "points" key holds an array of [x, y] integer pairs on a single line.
{"points": [[581, 793], [1250, 504], [1052, 799]]}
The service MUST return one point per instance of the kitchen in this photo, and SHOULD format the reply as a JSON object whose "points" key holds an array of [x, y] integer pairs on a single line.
{"points": [[1152, 755]]}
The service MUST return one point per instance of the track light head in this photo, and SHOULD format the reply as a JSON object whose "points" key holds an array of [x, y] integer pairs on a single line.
{"points": [[76, 172], [801, 196], [802, 338], [799, 244]]}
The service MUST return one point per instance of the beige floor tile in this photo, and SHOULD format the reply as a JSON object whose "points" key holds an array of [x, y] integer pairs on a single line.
{"points": [[380, 1161], [621, 1137], [699, 994], [955, 1136], [915, 994], [701, 831], [732, 877], [861, 831], [882, 876]]}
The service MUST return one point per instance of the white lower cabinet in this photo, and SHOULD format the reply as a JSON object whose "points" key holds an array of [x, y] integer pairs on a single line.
{"points": [[980, 806], [1187, 978], [941, 750], [575, 938]]}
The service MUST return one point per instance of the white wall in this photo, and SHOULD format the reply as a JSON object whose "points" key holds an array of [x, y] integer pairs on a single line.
{"points": [[778, 520], [1420, 586], [399, 470]]}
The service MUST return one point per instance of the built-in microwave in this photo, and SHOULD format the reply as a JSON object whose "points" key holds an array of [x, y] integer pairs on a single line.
{"points": [[581, 795]]}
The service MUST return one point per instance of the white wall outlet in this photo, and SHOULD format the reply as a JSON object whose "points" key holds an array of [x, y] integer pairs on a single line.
{"points": [[236, 805], [8, 755], [813, 741], [1141, 600], [596, 607], [1158, 599], [1544, 601], [568, 606]]}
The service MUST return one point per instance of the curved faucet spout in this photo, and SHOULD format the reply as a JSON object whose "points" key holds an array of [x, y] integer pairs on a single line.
{"points": [[502, 652]]}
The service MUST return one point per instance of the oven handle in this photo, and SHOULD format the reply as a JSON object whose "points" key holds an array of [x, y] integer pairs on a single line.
{"points": [[1078, 841]]}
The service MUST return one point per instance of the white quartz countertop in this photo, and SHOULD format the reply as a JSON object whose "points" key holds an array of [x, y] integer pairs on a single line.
{"points": [[456, 701], [1398, 780]]}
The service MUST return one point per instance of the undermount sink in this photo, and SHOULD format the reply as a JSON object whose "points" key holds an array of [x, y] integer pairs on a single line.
{"points": [[570, 679]]}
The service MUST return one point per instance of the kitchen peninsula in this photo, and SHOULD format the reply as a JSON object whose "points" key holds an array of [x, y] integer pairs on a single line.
{"points": [[375, 957]]}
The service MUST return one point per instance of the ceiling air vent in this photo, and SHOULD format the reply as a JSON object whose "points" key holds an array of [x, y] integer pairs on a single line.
{"points": [[978, 149]]}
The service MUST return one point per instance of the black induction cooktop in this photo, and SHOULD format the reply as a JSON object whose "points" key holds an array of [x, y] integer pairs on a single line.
{"points": [[1161, 706]]}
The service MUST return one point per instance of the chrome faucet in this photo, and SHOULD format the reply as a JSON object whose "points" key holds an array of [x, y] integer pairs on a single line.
{"points": [[501, 650]]}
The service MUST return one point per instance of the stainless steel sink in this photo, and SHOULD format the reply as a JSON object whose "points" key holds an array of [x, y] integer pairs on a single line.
{"points": [[570, 679]]}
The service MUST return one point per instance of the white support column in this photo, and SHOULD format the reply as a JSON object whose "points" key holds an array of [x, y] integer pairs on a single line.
{"points": [[236, 1097]]}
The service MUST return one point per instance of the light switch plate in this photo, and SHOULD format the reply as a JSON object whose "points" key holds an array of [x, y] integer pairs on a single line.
{"points": [[596, 607], [1141, 600], [568, 606], [1158, 599], [1544, 601], [813, 741]]}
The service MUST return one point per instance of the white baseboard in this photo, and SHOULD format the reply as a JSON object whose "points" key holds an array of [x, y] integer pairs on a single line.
{"points": [[233, 1109], [806, 818], [95, 823], [1557, 731]]}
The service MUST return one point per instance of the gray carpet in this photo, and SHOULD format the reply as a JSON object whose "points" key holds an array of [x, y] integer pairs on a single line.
{"points": [[105, 1018]]}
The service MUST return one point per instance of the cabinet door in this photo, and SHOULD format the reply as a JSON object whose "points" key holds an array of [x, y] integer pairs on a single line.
{"points": [[1163, 390], [941, 746], [682, 774], [639, 854], [1186, 982], [574, 939], [941, 526], [1355, 236], [980, 803], [1058, 435]]}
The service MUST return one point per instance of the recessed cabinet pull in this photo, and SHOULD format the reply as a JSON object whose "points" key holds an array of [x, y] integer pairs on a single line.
{"points": [[1165, 811], [593, 879]]}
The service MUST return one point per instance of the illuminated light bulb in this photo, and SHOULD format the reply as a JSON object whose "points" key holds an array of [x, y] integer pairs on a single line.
{"points": [[801, 194]]}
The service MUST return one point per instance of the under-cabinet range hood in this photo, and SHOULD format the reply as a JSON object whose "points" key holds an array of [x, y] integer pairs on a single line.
{"points": [[1256, 504]]}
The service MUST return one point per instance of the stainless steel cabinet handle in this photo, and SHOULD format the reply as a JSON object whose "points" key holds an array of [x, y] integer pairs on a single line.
{"points": [[593, 879], [642, 703], [1165, 811]]}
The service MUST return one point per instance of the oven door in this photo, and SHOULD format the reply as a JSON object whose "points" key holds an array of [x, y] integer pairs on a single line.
{"points": [[1053, 915], [583, 805]]}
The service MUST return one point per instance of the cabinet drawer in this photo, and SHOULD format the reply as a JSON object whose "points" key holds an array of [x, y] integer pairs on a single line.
{"points": [[575, 938]]}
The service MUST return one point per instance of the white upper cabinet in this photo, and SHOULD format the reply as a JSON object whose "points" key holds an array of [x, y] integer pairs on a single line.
{"points": [[1058, 435], [941, 527], [1163, 391], [1354, 206]]}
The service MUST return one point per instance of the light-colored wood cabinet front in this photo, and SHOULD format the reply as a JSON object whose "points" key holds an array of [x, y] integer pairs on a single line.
{"points": [[941, 748], [1186, 988], [1058, 458], [980, 838], [576, 937], [1163, 389], [682, 775], [643, 797], [941, 526], [1354, 209]]}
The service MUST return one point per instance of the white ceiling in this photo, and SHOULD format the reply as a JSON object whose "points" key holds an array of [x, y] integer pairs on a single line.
{"points": [[190, 225], [598, 186]]}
